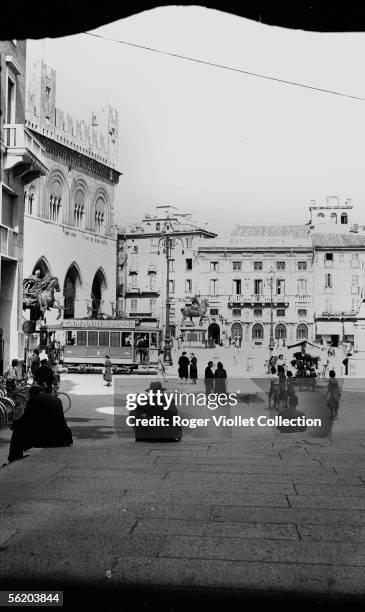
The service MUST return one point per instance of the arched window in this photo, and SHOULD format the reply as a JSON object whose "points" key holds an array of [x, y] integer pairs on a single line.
{"points": [[320, 216], [280, 331], [100, 216], [236, 330], [43, 266], [333, 218], [158, 227], [79, 209], [97, 293], [257, 332], [344, 219], [55, 199], [29, 198], [302, 332], [71, 289]]}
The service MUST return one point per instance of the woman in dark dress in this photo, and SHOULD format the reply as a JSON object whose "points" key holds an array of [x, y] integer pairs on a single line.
{"points": [[42, 425], [220, 379], [193, 368], [183, 369]]}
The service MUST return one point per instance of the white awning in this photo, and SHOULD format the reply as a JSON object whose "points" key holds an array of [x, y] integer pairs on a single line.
{"points": [[329, 328], [349, 328]]}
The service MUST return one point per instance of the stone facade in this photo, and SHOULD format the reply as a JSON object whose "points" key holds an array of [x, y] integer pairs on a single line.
{"points": [[69, 214], [21, 161], [259, 281]]}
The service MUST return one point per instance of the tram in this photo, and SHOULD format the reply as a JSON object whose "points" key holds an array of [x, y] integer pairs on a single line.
{"points": [[126, 341]]}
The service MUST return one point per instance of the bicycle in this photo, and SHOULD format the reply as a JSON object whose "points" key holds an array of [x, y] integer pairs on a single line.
{"points": [[65, 399]]}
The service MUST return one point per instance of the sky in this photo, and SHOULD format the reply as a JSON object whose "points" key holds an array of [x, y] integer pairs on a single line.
{"points": [[229, 147]]}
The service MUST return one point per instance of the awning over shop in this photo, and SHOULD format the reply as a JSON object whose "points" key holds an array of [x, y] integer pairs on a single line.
{"points": [[329, 328], [349, 328]]}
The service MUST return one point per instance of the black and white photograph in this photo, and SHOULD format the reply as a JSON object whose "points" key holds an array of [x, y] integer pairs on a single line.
{"points": [[182, 306]]}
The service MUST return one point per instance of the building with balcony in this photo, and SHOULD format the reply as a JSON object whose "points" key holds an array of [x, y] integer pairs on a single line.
{"points": [[142, 265], [22, 160], [69, 212], [259, 281], [294, 282]]}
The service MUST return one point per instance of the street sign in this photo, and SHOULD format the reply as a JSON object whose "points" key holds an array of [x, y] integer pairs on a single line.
{"points": [[28, 327]]}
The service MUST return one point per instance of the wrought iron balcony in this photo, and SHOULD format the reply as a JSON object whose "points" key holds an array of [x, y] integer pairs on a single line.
{"points": [[24, 154], [258, 298]]}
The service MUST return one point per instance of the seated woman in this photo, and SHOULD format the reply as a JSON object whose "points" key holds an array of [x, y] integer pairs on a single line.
{"points": [[42, 425]]}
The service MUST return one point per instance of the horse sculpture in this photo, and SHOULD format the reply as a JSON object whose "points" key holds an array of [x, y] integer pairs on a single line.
{"points": [[197, 309], [39, 293]]}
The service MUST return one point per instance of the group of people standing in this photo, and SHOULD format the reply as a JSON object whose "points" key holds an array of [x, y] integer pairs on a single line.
{"points": [[282, 391], [214, 380], [188, 368]]}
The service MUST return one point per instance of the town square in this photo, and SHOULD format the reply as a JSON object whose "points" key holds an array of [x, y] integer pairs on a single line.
{"points": [[182, 314]]}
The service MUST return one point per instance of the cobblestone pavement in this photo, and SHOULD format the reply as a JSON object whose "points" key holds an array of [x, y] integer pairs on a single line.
{"points": [[260, 513]]}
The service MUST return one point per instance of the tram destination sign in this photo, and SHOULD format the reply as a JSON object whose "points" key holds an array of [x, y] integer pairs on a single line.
{"points": [[100, 324]]}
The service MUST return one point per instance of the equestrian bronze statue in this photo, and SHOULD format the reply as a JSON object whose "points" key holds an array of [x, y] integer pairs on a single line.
{"points": [[197, 309], [39, 294]]}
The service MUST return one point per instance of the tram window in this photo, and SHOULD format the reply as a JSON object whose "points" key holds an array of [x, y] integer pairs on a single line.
{"points": [[142, 338], [153, 340], [114, 339], [93, 338], [70, 338], [103, 338], [81, 338], [126, 339]]}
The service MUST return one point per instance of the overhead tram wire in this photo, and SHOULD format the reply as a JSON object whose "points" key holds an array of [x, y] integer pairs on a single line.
{"points": [[224, 67]]}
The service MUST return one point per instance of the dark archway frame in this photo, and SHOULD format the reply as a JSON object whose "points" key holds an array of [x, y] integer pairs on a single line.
{"points": [[24, 19]]}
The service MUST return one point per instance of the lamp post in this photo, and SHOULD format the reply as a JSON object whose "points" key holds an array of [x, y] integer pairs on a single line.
{"points": [[272, 342], [168, 232]]}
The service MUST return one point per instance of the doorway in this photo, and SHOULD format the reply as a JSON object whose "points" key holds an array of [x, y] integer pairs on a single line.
{"points": [[214, 333]]}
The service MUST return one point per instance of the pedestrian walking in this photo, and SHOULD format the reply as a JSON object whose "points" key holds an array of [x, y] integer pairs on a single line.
{"points": [[333, 394], [273, 389], [220, 379], [209, 378], [183, 369], [193, 368], [108, 371], [346, 363], [161, 366], [290, 389]]}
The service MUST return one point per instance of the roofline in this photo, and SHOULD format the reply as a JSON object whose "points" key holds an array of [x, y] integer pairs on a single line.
{"points": [[255, 249], [347, 206], [339, 248], [74, 150], [159, 234]]}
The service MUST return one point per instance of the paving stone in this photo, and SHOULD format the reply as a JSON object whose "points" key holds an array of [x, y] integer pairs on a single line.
{"points": [[331, 490], [323, 501], [276, 577], [292, 515], [85, 541], [264, 550], [5, 535], [210, 528], [208, 497], [332, 533], [53, 567], [204, 472]]}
